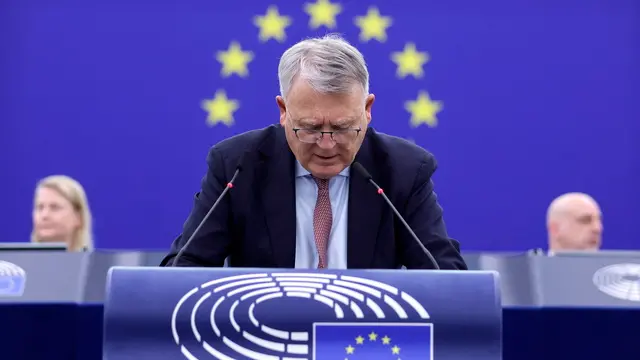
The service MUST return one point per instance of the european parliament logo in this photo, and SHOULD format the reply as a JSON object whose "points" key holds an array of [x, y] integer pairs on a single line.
{"points": [[12, 279], [621, 281], [295, 316]]}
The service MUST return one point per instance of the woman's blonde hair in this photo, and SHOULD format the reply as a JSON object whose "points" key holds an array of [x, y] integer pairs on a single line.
{"points": [[71, 190]]}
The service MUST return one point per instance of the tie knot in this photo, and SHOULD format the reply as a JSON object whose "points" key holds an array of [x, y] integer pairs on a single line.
{"points": [[322, 183]]}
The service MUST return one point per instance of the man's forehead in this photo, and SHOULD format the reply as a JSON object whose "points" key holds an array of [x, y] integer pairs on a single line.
{"points": [[583, 204], [585, 210], [303, 91], [306, 102]]}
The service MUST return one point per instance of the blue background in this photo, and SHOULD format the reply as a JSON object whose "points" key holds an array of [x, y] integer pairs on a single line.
{"points": [[540, 98]]}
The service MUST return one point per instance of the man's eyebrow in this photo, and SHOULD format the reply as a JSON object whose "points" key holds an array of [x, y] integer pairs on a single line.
{"points": [[306, 122], [351, 123], [311, 122], [346, 121]]}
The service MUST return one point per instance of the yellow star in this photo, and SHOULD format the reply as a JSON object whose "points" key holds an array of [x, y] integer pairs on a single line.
{"points": [[359, 340], [423, 110], [373, 336], [395, 350], [350, 349], [409, 61], [386, 340], [373, 26], [272, 25], [220, 109], [234, 60], [322, 12]]}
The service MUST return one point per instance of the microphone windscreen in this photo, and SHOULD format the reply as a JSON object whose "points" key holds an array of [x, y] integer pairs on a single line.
{"points": [[359, 168]]}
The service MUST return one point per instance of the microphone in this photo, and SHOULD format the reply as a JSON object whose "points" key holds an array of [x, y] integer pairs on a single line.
{"points": [[215, 205], [360, 169]]}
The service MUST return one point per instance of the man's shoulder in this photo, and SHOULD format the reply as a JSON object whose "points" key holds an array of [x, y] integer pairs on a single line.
{"points": [[400, 164], [398, 150], [246, 141], [245, 146]]}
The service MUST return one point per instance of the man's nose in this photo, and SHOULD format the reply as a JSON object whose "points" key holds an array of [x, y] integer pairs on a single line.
{"points": [[326, 142], [597, 227]]}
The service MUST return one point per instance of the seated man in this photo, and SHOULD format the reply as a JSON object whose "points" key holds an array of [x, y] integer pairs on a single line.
{"points": [[574, 223], [298, 202]]}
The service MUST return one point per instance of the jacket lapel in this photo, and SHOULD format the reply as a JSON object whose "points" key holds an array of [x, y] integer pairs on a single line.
{"points": [[365, 212], [278, 199]]}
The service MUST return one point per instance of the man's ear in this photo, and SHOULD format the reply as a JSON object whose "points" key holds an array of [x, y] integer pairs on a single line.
{"points": [[552, 228], [283, 109], [368, 103]]}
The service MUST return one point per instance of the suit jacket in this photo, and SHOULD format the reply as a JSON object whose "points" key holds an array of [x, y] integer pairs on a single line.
{"points": [[255, 224]]}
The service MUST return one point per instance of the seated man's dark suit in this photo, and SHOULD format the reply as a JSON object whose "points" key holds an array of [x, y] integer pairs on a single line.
{"points": [[255, 225]]}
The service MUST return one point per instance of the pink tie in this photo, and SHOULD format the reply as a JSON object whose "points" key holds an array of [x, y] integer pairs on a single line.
{"points": [[322, 220]]}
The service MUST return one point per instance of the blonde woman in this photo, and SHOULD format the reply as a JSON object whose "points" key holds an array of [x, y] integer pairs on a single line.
{"points": [[61, 213]]}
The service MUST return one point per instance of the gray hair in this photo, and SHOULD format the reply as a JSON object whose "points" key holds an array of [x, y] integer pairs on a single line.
{"points": [[329, 65]]}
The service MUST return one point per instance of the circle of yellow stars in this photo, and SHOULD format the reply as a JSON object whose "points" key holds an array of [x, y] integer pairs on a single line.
{"points": [[373, 25], [373, 337]]}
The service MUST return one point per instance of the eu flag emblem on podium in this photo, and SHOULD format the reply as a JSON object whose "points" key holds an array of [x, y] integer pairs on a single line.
{"points": [[371, 341]]}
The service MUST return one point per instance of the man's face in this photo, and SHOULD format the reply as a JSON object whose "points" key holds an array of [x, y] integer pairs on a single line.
{"points": [[308, 112], [580, 228]]}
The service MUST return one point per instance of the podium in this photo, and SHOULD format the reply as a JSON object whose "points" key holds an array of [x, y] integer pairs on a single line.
{"points": [[292, 314]]}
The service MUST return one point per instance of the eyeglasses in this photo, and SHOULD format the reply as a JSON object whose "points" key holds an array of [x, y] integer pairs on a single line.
{"points": [[342, 136], [313, 136]]}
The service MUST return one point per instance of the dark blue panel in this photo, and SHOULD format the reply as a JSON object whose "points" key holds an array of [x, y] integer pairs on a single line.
{"points": [[570, 333], [51, 331], [42, 331]]}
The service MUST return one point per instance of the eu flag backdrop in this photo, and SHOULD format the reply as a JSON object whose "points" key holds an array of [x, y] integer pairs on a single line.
{"points": [[519, 101]]}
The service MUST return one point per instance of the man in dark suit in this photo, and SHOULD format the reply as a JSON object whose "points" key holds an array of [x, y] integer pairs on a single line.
{"points": [[296, 202]]}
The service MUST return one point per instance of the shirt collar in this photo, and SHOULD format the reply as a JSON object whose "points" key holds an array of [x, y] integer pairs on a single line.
{"points": [[301, 171]]}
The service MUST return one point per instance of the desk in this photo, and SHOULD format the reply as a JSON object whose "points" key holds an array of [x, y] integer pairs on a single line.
{"points": [[74, 332]]}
